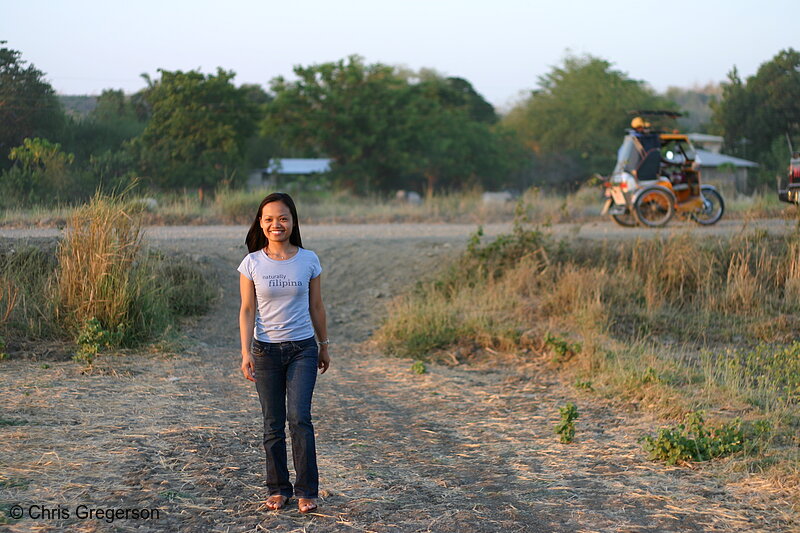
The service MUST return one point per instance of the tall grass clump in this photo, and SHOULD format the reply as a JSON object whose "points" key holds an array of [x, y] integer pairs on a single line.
{"points": [[105, 275], [186, 286]]}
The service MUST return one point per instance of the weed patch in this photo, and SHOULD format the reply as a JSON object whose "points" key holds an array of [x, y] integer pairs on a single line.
{"points": [[692, 441], [566, 427], [562, 349], [92, 338]]}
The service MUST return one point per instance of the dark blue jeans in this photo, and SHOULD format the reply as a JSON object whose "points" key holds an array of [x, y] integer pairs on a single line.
{"points": [[285, 375]]}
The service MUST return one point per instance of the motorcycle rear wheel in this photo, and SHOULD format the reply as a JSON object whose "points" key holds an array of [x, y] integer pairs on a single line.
{"points": [[627, 220]]}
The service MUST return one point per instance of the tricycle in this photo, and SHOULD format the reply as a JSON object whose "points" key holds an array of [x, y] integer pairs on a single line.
{"points": [[657, 176]]}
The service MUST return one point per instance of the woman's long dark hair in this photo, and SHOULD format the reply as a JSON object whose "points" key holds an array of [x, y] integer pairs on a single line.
{"points": [[256, 240]]}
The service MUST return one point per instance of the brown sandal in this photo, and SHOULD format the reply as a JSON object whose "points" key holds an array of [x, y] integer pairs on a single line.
{"points": [[306, 505], [276, 502]]}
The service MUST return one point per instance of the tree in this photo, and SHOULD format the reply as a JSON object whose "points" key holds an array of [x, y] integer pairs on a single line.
{"points": [[449, 146], [111, 123], [575, 119], [28, 104], [756, 115], [198, 128], [346, 111], [40, 174], [458, 93], [384, 128]]}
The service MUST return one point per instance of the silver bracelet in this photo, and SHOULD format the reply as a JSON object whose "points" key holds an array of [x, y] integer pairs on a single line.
{"points": [[324, 343]]}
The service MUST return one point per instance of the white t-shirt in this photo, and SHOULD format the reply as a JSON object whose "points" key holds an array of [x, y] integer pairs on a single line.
{"points": [[282, 305]]}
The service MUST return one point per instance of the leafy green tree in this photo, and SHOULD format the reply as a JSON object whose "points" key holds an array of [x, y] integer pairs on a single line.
{"points": [[384, 128], [757, 114], [347, 111], [458, 93], [575, 120], [449, 146], [41, 174], [28, 104], [198, 129], [260, 148]]}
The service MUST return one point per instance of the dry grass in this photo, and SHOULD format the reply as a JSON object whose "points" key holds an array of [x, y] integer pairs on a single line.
{"points": [[672, 325], [465, 207], [96, 259], [230, 206], [27, 271], [680, 287]]}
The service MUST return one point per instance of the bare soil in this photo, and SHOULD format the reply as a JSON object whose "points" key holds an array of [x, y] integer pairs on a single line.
{"points": [[467, 448]]}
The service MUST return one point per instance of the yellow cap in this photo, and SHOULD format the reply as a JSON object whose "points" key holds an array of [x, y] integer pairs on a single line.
{"points": [[637, 122]]}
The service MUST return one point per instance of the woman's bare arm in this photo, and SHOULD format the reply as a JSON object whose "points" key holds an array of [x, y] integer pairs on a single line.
{"points": [[247, 317], [319, 320]]}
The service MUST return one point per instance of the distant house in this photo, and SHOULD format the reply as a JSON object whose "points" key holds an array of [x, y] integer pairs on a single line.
{"points": [[718, 169], [712, 143], [280, 172]]}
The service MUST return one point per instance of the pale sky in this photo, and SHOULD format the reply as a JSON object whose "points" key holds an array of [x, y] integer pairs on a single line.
{"points": [[500, 46]]}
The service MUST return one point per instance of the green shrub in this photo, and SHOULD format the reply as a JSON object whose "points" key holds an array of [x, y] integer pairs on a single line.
{"points": [[562, 349], [566, 428], [92, 338], [694, 441]]}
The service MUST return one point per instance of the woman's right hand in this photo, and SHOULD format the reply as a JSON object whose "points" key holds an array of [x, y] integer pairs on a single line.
{"points": [[249, 367]]}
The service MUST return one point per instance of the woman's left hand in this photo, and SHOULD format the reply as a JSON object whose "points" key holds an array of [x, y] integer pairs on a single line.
{"points": [[324, 358]]}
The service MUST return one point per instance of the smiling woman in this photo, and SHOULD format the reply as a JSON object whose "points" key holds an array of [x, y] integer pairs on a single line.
{"points": [[280, 313]]}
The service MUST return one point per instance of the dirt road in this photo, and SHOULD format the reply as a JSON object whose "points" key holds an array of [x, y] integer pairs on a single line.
{"points": [[458, 449]]}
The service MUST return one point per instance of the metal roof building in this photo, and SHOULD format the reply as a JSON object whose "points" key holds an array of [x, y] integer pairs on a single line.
{"points": [[297, 166], [282, 169], [712, 159]]}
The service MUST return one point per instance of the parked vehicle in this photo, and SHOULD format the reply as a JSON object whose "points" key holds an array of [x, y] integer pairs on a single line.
{"points": [[791, 193], [656, 176]]}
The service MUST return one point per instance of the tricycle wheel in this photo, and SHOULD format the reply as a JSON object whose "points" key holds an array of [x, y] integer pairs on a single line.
{"points": [[713, 207], [627, 220], [654, 207]]}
